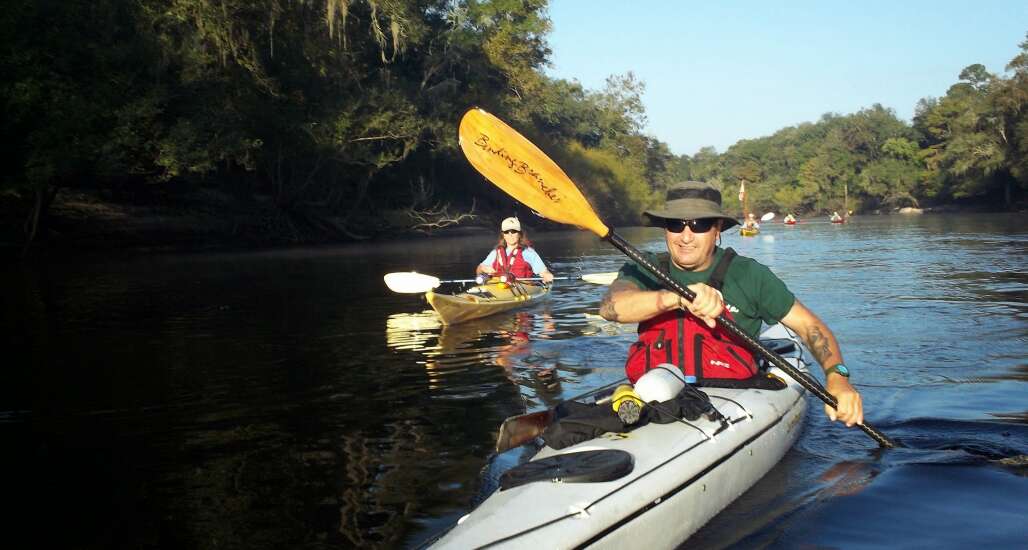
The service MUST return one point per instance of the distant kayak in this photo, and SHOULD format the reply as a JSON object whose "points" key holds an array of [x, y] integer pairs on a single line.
{"points": [[486, 299], [749, 232]]}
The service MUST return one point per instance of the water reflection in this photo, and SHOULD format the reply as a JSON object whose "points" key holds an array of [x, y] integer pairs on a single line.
{"points": [[287, 399], [597, 325], [504, 340], [412, 331], [847, 478]]}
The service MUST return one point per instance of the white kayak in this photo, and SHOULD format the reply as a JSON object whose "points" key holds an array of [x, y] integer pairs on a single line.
{"points": [[674, 477]]}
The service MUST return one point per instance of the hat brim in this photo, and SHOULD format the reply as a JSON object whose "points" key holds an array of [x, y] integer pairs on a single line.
{"points": [[655, 218]]}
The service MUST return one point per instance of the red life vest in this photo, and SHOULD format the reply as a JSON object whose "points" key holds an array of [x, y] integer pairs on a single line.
{"points": [[514, 264], [679, 338]]}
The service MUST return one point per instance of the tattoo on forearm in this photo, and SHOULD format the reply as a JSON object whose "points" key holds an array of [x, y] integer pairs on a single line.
{"points": [[819, 345], [607, 308]]}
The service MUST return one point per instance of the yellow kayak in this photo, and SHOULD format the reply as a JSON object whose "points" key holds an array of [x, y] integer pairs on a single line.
{"points": [[486, 299], [749, 232]]}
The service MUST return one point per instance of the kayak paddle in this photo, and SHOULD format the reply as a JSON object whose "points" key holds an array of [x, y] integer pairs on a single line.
{"points": [[515, 165], [412, 282]]}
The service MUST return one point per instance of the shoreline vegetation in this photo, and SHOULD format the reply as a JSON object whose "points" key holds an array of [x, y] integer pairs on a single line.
{"points": [[194, 124], [85, 223]]}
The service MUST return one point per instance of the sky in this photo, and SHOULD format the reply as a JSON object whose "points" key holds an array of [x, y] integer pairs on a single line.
{"points": [[717, 72]]}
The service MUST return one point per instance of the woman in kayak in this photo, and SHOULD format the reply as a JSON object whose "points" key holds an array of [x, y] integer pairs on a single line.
{"points": [[514, 255]]}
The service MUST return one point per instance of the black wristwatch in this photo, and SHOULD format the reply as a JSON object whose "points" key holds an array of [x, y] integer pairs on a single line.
{"points": [[840, 368]]}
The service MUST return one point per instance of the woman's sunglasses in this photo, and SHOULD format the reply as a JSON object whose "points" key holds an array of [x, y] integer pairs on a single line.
{"points": [[701, 225], [512, 231]]}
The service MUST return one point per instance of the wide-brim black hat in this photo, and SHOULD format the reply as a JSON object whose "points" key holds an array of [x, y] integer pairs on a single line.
{"points": [[690, 200]]}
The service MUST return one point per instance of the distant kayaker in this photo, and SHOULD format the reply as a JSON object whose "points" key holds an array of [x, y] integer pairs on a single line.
{"points": [[751, 222], [789, 218], [675, 330], [835, 217], [514, 255]]}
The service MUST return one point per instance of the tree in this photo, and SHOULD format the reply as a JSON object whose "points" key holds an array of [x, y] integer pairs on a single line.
{"points": [[1009, 100], [968, 145], [892, 179], [69, 67]]}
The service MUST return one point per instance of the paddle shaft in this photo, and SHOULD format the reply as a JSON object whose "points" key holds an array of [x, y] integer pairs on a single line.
{"points": [[750, 342], [571, 278]]}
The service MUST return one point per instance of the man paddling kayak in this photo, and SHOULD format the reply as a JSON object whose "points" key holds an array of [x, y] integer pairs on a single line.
{"points": [[514, 255], [675, 330]]}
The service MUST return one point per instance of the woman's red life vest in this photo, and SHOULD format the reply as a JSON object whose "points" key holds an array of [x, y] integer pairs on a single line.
{"points": [[514, 264], [679, 338]]}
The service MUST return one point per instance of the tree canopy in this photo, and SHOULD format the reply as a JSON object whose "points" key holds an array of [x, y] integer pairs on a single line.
{"points": [[337, 118]]}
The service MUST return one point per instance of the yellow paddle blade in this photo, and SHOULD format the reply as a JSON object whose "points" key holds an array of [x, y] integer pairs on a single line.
{"points": [[523, 171]]}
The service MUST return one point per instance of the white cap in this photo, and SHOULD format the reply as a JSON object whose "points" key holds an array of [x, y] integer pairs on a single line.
{"points": [[510, 223]]}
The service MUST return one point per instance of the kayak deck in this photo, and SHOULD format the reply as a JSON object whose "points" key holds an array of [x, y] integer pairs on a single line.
{"points": [[684, 473], [483, 300]]}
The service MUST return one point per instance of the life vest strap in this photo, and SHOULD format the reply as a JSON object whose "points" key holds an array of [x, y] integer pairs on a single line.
{"points": [[717, 277]]}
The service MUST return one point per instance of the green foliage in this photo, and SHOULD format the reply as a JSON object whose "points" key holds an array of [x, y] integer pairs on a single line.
{"points": [[339, 108], [66, 66], [704, 165], [308, 102], [889, 181], [790, 198], [615, 185], [971, 137], [900, 148]]}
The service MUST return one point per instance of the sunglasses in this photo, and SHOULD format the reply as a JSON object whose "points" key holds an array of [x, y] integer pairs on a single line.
{"points": [[701, 225], [512, 231]]}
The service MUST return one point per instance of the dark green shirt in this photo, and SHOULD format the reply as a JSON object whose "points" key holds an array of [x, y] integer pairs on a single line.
{"points": [[752, 292]]}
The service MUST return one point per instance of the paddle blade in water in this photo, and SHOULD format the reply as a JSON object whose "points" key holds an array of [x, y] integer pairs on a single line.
{"points": [[523, 171], [600, 278], [410, 282], [518, 430]]}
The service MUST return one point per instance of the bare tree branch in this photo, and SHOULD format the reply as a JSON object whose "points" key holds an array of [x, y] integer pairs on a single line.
{"points": [[438, 217]]}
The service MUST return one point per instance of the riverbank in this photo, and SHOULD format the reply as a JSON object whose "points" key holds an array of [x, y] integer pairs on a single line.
{"points": [[85, 221]]}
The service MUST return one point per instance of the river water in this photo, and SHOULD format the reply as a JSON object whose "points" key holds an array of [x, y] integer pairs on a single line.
{"points": [[288, 399]]}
